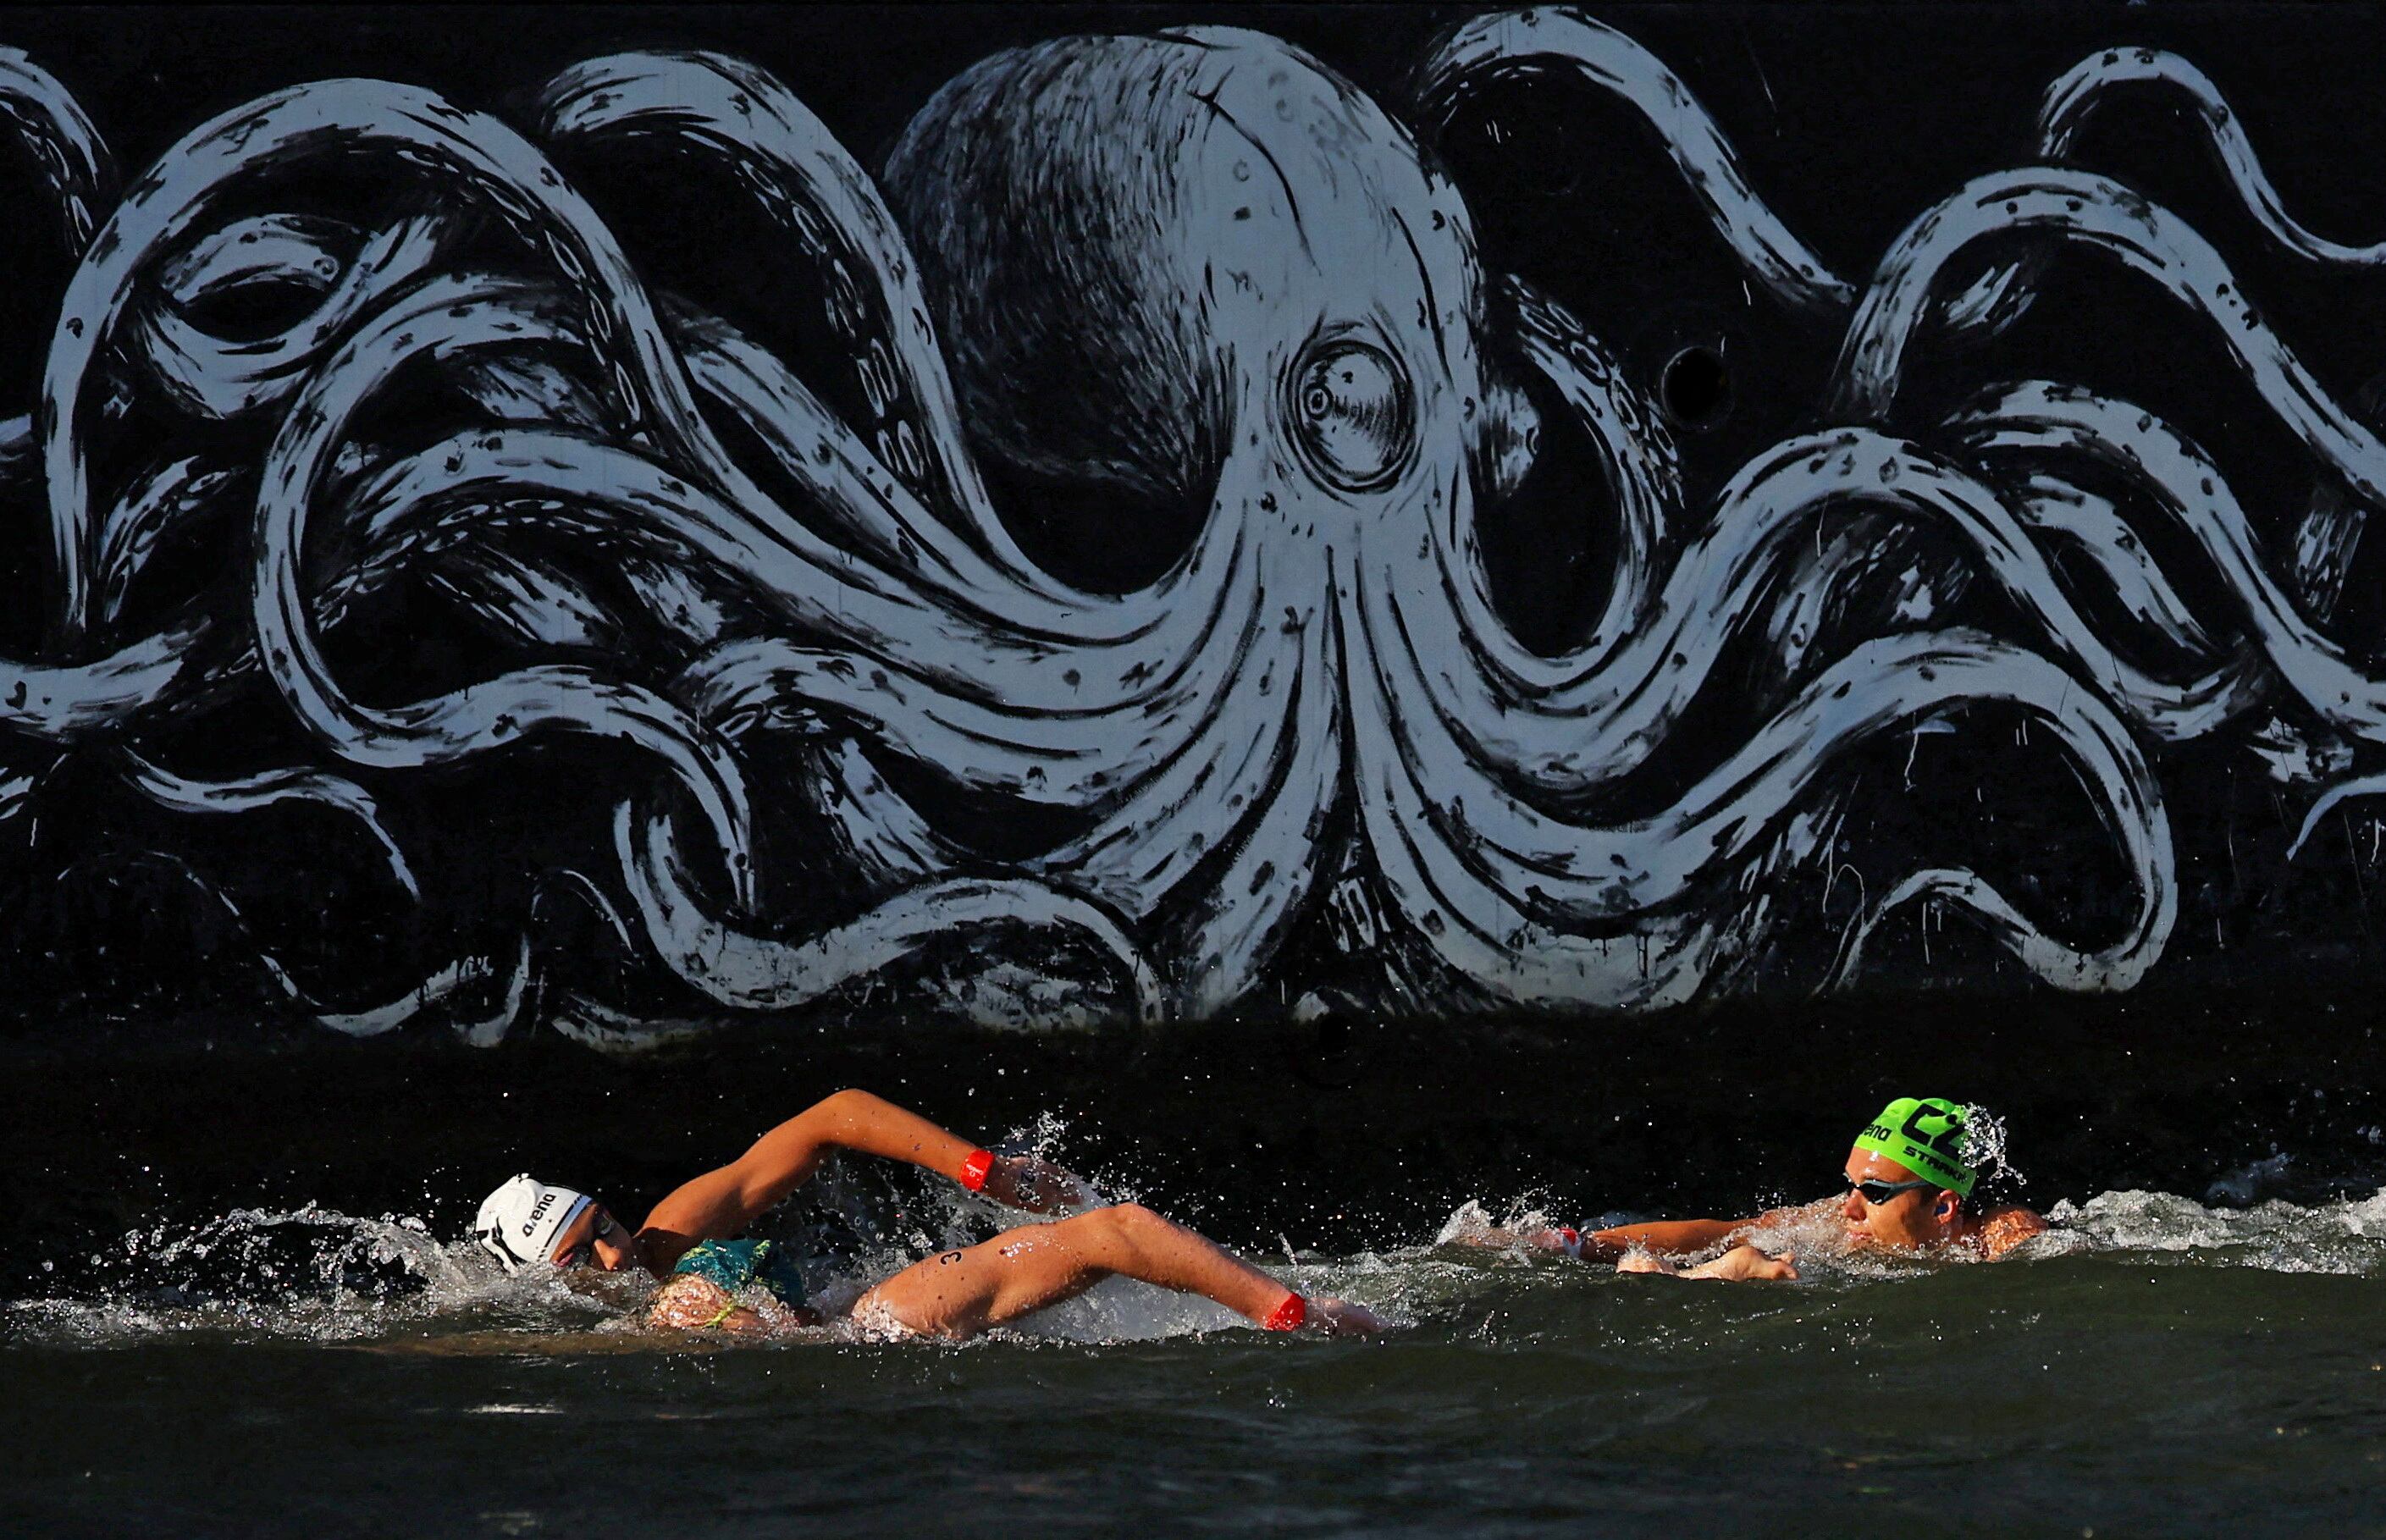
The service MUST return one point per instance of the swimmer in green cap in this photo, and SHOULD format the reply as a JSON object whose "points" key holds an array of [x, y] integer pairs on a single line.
{"points": [[1911, 1185]]}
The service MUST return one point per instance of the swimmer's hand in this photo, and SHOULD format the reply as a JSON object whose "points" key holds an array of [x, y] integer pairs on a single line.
{"points": [[1343, 1317], [1035, 1184], [1743, 1262], [1739, 1264]]}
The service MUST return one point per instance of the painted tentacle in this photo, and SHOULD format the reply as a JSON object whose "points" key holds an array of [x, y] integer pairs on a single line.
{"points": [[452, 319], [1637, 457], [1642, 471], [2149, 240], [529, 702], [1861, 556], [828, 461], [67, 700], [457, 980], [523, 599], [1053, 667], [885, 840], [856, 495], [1552, 40], [2180, 481], [2001, 294], [249, 793], [798, 172], [1196, 801], [1576, 743], [2234, 679], [753, 972], [1474, 913], [1069, 759], [72, 157], [174, 671], [1562, 873], [2354, 789], [310, 251], [351, 271], [2072, 98], [2131, 812], [564, 481], [180, 668], [1474, 927], [1232, 921], [1209, 794], [2092, 527], [1097, 750], [149, 510], [1858, 575], [480, 158], [16, 793]]}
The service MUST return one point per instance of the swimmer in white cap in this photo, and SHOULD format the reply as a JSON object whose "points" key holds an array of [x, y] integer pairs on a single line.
{"points": [[712, 1279]]}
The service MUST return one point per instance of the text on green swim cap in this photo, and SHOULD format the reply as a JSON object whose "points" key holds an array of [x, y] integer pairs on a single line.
{"points": [[1924, 1135]]}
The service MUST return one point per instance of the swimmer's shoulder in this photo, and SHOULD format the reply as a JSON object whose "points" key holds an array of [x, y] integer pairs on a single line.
{"points": [[2008, 1225]]}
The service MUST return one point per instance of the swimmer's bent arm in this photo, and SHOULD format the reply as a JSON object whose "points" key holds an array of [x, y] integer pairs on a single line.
{"points": [[723, 1201]]}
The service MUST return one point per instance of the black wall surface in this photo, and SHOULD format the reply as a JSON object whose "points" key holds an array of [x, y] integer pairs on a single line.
{"points": [[1490, 590]]}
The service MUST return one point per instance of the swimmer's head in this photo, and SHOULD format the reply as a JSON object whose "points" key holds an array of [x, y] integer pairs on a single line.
{"points": [[526, 1221], [521, 1222], [1910, 1174]]}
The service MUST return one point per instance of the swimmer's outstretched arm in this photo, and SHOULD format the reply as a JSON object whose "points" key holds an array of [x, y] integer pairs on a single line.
{"points": [[723, 1201], [1666, 1237], [959, 1294], [1663, 1237]]}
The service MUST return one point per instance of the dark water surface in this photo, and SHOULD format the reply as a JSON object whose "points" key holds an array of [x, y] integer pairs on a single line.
{"points": [[2159, 1368]]}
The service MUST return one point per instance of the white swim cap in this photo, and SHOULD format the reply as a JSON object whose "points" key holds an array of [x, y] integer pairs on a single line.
{"points": [[519, 1223]]}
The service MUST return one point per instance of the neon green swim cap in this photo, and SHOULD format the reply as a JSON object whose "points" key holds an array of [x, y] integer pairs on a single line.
{"points": [[1926, 1135]]}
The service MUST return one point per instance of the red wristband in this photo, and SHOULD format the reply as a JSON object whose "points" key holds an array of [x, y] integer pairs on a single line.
{"points": [[1288, 1315], [974, 1168], [1573, 1239]]}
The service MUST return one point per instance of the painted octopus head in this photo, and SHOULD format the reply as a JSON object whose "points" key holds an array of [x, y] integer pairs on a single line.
{"points": [[1200, 260]]}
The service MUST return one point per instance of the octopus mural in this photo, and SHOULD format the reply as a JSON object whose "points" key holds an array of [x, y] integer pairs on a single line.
{"points": [[379, 463]]}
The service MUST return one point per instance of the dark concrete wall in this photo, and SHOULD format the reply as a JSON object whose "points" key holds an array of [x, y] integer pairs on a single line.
{"points": [[697, 530]]}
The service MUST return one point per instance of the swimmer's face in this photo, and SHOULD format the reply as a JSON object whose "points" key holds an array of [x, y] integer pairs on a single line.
{"points": [[596, 1239], [1924, 1216]]}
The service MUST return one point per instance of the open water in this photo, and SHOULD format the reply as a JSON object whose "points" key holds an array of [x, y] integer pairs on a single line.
{"points": [[2157, 1367]]}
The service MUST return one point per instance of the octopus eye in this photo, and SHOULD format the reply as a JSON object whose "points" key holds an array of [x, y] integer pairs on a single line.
{"points": [[1352, 416]]}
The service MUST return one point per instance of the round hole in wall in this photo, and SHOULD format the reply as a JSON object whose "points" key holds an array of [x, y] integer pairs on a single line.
{"points": [[1695, 389]]}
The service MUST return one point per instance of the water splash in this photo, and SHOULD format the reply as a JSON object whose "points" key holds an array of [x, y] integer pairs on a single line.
{"points": [[2347, 1236], [309, 1273], [1985, 1145]]}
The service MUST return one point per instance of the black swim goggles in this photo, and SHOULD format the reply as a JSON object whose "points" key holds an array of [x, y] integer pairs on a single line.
{"points": [[579, 1254], [1875, 1194]]}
